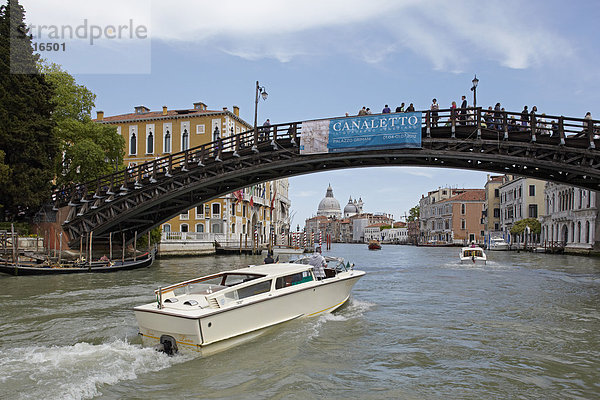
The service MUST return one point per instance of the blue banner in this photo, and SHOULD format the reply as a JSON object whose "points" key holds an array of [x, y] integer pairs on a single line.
{"points": [[371, 132]]}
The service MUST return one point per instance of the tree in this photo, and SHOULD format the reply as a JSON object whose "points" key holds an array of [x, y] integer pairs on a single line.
{"points": [[413, 213], [89, 150], [520, 226], [26, 127]]}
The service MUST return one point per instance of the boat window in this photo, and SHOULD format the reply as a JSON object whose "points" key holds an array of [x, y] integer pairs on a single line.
{"points": [[253, 290], [294, 279], [191, 303], [171, 300], [235, 279]]}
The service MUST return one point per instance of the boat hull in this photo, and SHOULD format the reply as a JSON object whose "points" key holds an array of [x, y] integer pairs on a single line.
{"points": [[23, 269], [223, 327]]}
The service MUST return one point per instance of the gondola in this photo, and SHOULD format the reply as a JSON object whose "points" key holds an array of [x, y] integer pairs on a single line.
{"points": [[141, 261]]}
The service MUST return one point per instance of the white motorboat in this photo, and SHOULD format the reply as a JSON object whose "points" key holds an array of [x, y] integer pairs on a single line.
{"points": [[218, 310], [472, 255], [497, 244]]}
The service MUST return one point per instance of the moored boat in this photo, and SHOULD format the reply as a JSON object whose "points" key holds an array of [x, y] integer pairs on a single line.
{"points": [[141, 261], [374, 244], [472, 255], [212, 311], [497, 244]]}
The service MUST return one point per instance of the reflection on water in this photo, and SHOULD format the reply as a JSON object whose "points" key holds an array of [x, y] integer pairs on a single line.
{"points": [[419, 325]]}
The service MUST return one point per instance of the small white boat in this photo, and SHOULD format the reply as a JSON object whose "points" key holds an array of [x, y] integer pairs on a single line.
{"points": [[216, 311], [472, 255], [497, 244]]}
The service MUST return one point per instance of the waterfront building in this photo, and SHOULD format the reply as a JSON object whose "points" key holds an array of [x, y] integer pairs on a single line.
{"points": [[413, 231], [329, 207], [360, 222], [491, 207], [571, 218], [432, 226], [398, 233], [520, 198], [259, 212], [353, 207]]}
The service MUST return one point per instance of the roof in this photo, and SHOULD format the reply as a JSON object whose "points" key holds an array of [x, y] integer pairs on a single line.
{"points": [[170, 114], [470, 195]]}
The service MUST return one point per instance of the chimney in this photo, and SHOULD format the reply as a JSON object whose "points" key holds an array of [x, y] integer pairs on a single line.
{"points": [[199, 106], [99, 115], [236, 111], [164, 110]]}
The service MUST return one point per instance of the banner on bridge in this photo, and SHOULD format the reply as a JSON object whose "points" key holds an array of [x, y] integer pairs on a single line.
{"points": [[370, 132]]}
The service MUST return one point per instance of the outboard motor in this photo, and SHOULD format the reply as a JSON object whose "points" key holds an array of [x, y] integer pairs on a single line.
{"points": [[167, 345]]}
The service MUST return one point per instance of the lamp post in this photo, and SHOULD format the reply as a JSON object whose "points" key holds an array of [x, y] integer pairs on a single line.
{"points": [[475, 81], [260, 92]]}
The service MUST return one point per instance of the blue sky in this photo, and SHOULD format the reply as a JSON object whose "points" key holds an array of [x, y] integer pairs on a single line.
{"points": [[325, 58]]}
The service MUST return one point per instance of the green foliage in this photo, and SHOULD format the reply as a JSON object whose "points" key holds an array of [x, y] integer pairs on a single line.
{"points": [[155, 235], [89, 150], [22, 228], [72, 101], [413, 213], [27, 137], [519, 227]]}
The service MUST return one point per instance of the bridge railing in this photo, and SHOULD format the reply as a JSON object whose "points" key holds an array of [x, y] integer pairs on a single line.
{"points": [[564, 131]]}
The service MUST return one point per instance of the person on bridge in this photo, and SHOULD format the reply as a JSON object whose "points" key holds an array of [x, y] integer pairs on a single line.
{"points": [[434, 112], [362, 111], [525, 118], [400, 108], [463, 110], [386, 110], [318, 262], [410, 108]]}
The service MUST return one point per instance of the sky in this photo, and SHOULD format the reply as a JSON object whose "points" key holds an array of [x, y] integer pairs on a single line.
{"points": [[320, 59]]}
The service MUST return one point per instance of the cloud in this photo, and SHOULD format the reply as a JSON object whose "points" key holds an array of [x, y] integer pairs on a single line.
{"points": [[449, 35]]}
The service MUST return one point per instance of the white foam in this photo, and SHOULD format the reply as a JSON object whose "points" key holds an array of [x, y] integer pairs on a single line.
{"points": [[78, 371]]}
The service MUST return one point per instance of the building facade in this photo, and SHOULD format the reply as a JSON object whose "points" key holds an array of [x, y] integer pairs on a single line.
{"points": [[491, 207], [571, 217], [254, 214], [520, 198]]}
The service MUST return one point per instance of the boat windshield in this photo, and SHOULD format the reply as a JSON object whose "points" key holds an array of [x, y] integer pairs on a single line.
{"points": [[473, 253]]}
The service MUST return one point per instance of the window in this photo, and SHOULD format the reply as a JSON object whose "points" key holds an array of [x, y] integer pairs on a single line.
{"points": [[463, 224], [200, 228], [207, 210], [496, 213], [216, 228], [253, 290], [166, 228], [185, 216], [496, 193], [167, 137], [244, 211], [184, 228], [216, 210], [294, 279], [200, 211], [463, 209], [133, 140], [199, 129], [232, 228], [232, 211], [532, 190], [185, 140], [533, 211], [149, 140], [496, 226], [520, 191]]}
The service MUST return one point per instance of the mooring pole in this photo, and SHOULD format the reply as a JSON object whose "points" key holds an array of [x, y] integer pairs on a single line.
{"points": [[135, 246], [110, 245], [90, 260], [123, 249]]}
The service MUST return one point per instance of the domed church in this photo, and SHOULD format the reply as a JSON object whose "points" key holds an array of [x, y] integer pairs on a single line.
{"points": [[329, 207]]}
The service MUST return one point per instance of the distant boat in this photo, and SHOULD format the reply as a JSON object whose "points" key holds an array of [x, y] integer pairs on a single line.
{"points": [[472, 255], [497, 244], [144, 260], [374, 244]]}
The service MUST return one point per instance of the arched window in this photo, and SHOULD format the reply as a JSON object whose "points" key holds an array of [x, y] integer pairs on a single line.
{"points": [[150, 143], [587, 232], [200, 228], [132, 143], [184, 228], [216, 228], [185, 140], [232, 228], [166, 227], [167, 141], [579, 232]]}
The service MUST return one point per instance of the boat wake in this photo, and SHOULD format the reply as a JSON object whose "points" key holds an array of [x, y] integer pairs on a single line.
{"points": [[78, 371]]}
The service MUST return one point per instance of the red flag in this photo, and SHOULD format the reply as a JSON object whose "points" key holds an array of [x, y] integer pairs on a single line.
{"points": [[273, 199], [251, 201]]}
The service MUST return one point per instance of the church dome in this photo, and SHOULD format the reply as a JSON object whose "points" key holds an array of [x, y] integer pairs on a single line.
{"points": [[350, 208], [329, 206]]}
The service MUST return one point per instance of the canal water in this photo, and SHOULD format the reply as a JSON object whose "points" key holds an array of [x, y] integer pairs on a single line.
{"points": [[418, 326]]}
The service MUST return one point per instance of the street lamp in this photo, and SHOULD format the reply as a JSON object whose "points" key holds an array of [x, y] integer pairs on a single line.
{"points": [[475, 81], [260, 92]]}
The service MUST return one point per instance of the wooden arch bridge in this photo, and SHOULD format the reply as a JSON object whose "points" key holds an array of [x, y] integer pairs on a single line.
{"points": [[137, 199]]}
